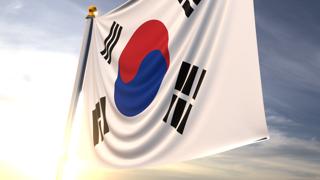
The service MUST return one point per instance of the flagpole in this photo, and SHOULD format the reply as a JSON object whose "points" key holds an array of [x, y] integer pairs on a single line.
{"points": [[77, 88]]}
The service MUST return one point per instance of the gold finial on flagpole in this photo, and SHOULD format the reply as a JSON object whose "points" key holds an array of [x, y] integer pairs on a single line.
{"points": [[92, 11]]}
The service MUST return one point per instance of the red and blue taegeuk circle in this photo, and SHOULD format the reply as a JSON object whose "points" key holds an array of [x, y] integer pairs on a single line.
{"points": [[143, 64]]}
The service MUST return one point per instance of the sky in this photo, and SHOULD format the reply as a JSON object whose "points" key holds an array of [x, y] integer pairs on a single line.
{"points": [[39, 47]]}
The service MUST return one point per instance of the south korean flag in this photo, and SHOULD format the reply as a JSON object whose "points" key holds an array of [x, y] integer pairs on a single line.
{"points": [[169, 81]]}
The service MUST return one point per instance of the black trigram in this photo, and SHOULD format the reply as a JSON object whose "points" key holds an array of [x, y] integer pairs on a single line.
{"points": [[100, 126], [111, 41], [180, 106], [188, 9]]}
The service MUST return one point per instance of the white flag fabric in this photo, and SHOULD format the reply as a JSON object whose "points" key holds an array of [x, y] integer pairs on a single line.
{"points": [[172, 80]]}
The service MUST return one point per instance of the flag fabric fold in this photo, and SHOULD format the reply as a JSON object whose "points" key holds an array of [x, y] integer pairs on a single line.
{"points": [[172, 80]]}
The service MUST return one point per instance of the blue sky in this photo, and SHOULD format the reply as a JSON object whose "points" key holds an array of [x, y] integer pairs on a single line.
{"points": [[39, 46]]}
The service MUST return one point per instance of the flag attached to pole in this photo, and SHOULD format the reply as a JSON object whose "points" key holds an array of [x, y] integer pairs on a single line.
{"points": [[172, 80]]}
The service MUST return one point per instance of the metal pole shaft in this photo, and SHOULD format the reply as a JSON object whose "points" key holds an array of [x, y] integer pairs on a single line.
{"points": [[76, 92], [79, 79]]}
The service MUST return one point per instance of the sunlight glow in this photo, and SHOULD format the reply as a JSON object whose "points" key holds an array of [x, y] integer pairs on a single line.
{"points": [[35, 91]]}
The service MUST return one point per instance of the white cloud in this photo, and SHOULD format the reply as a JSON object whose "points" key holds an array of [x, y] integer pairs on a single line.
{"points": [[274, 118], [13, 7]]}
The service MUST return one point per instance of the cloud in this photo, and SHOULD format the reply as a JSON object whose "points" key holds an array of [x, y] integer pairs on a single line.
{"points": [[46, 25], [41, 25], [13, 7], [276, 119], [289, 44]]}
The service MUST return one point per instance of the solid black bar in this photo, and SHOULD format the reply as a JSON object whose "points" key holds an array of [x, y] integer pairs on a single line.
{"points": [[114, 44], [188, 85], [203, 74], [95, 118], [197, 2], [183, 72], [173, 100], [103, 52], [178, 111], [114, 33], [184, 120], [100, 130], [187, 8], [103, 109]]}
